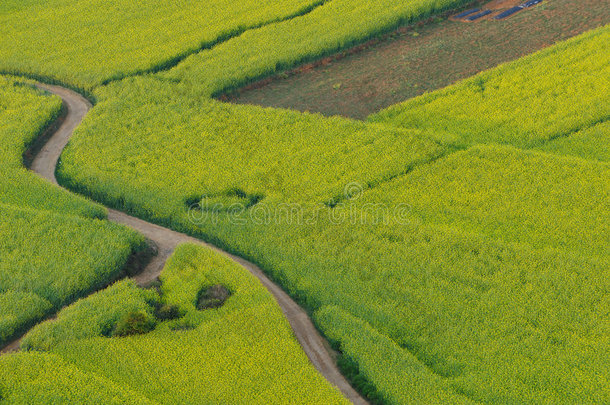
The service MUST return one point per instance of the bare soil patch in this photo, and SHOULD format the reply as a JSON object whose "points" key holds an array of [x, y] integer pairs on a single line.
{"points": [[422, 58]]}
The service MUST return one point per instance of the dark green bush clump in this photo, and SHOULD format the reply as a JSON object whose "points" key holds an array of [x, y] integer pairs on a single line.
{"points": [[167, 312], [212, 297], [134, 323]]}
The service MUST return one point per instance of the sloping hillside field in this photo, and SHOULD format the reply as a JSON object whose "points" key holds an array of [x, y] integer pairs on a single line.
{"points": [[452, 249]]}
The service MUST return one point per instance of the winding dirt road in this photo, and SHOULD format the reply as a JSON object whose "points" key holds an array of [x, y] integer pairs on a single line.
{"points": [[316, 348]]}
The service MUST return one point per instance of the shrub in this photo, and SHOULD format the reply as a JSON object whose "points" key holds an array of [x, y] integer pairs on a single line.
{"points": [[134, 323], [212, 297], [167, 312]]}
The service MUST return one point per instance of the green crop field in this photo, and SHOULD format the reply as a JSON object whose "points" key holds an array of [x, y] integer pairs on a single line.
{"points": [[24, 113], [52, 249], [591, 143], [476, 224], [232, 351], [44, 378], [452, 248], [160, 33], [543, 200], [56, 258], [276, 155], [261, 52]]}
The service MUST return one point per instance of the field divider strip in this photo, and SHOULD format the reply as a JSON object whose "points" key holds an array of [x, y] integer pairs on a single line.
{"points": [[574, 131], [222, 38], [372, 184]]}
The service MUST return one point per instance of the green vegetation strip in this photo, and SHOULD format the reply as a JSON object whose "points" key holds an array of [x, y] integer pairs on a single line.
{"points": [[592, 143], [335, 26], [275, 155], [399, 377], [51, 260], [42, 378], [511, 195], [24, 113]]}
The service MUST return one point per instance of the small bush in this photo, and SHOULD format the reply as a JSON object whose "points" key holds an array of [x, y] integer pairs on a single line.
{"points": [[167, 312], [134, 323], [212, 297]]}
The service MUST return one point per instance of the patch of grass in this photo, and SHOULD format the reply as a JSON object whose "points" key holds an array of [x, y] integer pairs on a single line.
{"points": [[511, 195], [592, 143], [42, 378], [57, 259], [96, 315], [18, 311], [24, 114], [236, 154], [60, 258], [383, 371]]}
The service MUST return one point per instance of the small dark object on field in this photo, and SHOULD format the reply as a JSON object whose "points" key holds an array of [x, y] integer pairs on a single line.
{"points": [[212, 297], [154, 285], [479, 15], [508, 12], [531, 3], [467, 12], [134, 323]]}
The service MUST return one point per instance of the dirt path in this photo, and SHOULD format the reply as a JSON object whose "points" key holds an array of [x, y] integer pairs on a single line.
{"points": [[414, 60], [316, 348]]}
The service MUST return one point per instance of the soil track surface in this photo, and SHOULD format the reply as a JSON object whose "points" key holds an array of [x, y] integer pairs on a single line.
{"points": [[314, 345], [421, 58]]}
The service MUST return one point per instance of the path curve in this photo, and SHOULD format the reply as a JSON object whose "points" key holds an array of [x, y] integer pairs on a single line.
{"points": [[313, 344]]}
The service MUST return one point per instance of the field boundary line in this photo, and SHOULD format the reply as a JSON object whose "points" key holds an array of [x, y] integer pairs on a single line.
{"points": [[174, 61]]}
